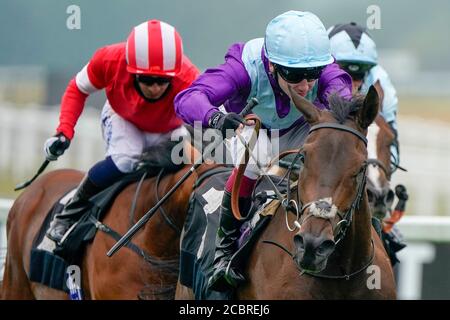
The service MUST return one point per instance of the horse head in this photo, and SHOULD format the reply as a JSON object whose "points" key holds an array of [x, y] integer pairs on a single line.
{"points": [[380, 137], [333, 174]]}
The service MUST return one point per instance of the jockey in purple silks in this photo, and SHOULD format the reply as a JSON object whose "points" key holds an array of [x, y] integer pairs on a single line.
{"points": [[294, 55]]}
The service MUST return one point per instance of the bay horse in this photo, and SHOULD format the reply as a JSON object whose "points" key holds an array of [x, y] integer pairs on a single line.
{"points": [[380, 137], [335, 253], [124, 276]]}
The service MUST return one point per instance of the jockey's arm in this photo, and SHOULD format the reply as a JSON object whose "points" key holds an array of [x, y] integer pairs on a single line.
{"points": [[90, 79], [214, 87], [333, 80], [389, 107]]}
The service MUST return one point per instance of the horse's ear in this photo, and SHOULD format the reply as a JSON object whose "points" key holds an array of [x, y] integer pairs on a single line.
{"points": [[369, 110], [309, 111]]}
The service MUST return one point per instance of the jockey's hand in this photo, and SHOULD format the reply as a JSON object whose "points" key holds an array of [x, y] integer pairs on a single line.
{"points": [[224, 122], [401, 193], [55, 146]]}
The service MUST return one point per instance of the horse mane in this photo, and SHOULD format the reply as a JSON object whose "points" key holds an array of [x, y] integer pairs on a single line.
{"points": [[159, 156], [343, 109]]}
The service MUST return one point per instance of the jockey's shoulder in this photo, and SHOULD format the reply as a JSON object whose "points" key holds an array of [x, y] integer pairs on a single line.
{"points": [[235, 50], [379, 75], [111, 52], [333, 71], [378, 72], [188, 72], [187, 65]]}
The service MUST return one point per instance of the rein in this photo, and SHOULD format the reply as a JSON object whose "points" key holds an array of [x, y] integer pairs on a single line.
{"points": [[325, 276], [163, 212], [161, 208], [169, 263], [241, 169]]}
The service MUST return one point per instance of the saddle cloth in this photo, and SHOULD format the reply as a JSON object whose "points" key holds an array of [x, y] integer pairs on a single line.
{"points": [[200, 229]]}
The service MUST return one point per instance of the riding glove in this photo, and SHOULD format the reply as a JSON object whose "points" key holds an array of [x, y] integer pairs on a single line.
{"points": [[401, 192], [55, 146], [223, 122]]}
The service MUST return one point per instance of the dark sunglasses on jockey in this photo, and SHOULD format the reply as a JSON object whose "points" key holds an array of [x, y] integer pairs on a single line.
{"points": [[296, 75], [150, 80], [357, 70]]}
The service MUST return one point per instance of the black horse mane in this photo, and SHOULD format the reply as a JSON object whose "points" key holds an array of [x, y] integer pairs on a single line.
{"points": [[159, 157], [343, 109]]}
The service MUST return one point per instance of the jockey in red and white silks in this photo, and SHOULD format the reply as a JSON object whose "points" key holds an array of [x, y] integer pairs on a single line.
{"points": [[141, 78]]}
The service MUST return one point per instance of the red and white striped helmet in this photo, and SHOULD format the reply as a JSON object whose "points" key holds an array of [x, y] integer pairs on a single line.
{"points": [[154, 48]]}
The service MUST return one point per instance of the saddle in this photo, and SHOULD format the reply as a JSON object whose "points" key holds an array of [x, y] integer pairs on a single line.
{"points": [[48, 262]]}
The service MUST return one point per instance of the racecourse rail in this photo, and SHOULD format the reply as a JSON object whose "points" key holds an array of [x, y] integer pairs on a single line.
{"points": [[414, 228], [419, 232]]}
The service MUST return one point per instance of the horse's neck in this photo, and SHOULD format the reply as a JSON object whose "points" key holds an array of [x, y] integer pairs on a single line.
{"points": [[153, 191], [356, 248], [205, 167]]}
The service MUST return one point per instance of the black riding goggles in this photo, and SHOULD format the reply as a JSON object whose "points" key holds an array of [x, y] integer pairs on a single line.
{"points": [[296, 75], [150, 80], [356, 69]]}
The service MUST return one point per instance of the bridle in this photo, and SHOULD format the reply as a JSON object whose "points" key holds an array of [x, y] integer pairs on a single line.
{"points": [[340, 230], [345, 217]]}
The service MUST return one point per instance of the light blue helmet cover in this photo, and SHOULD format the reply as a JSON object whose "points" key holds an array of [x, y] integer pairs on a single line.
{"points": [[297, 39], [351, 42]]}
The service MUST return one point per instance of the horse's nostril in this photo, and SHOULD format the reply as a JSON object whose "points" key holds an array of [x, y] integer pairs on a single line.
{"points": [[370, 195], [390, 197], [299, 241]]}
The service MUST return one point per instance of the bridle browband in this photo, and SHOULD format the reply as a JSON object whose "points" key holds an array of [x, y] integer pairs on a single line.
{"points": [[337, 126]]}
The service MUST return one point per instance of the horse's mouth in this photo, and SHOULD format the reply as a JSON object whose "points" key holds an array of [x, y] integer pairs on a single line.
{"points": [[379, 211], [311, 265], [314, 269]]}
